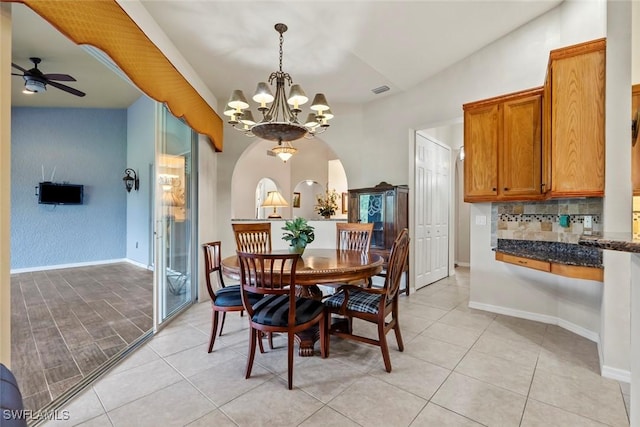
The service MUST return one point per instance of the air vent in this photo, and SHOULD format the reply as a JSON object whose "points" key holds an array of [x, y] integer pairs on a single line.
{"points": [[380, 89], [271, 153]]}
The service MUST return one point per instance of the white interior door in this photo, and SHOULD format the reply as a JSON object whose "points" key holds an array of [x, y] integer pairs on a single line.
{"points": [[432, 166], [440, 207]]}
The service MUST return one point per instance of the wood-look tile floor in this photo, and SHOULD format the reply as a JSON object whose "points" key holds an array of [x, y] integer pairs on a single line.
{"points": [[67, 322]]}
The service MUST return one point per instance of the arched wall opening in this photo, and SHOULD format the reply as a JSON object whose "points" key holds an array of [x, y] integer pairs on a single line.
{"points": [[315, 163]]}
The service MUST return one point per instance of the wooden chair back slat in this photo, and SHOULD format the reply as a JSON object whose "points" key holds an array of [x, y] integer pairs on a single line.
{"points": [[212, 263], [255, 238], [354, 236], [397, 264]]}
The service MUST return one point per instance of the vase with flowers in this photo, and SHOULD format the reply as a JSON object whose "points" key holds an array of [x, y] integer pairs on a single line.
{"points": [[327, 203]]}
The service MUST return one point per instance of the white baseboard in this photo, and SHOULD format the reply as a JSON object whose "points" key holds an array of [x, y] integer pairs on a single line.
{"points": [[615, 374], [139, 264], [71, 265], [81, 264], [552, 320], [605, 371], [463, 264]]}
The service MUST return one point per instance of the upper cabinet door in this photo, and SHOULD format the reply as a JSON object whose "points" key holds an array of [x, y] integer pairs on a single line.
{"points": [[503, 147], [481, 138], [520, 165], [577, 120]]}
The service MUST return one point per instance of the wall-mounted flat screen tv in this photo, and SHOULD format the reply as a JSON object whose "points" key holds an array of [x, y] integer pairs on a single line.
{"points": [[51, 193]]}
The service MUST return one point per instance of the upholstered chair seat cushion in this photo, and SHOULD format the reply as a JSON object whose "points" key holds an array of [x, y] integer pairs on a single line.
{"points": [[358, 301], [273, 310], [230, 296]]}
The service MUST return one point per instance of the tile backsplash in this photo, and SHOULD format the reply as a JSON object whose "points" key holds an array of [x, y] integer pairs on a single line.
{"points": [[543, 221]]}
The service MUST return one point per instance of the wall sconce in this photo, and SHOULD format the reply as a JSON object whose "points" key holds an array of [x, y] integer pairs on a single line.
{"points": [[131, 181]]}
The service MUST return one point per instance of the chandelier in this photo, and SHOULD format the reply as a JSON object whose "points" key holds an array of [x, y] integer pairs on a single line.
{"points": [[279, 121]]}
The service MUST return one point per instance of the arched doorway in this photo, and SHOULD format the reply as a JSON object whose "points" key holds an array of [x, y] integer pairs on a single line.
{"points": [[257, 172]]}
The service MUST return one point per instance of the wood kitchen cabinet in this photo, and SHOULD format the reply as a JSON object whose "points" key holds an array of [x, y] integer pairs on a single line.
{"points": [[635, 147], [574, 120], [503, 147]]}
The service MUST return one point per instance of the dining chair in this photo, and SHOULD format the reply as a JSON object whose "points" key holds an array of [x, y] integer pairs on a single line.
{"points": [[280, 310], [226, 298], [373, 304], [354, 236], [255, 237]]}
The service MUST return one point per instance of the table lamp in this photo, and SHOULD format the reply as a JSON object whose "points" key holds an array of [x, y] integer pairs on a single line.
{"points": [[274, 199]]}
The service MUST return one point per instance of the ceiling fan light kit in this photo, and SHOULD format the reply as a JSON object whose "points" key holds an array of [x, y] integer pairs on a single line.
{"points": [[33, 86], [35, 81], [280, 119]]}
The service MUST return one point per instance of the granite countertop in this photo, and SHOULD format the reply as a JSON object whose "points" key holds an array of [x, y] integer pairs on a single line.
{"points": [[624, 242], [556, 252]]}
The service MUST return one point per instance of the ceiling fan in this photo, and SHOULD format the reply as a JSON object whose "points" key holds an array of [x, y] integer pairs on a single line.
{"points": [[36, 81]]}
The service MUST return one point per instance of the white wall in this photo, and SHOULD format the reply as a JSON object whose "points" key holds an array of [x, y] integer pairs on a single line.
{"points": [[254, 165], [338, 181], [207, 201], [617, 209], [307, 199]]}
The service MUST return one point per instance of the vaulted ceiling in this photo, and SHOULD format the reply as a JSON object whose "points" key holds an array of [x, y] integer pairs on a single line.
{"points": [[341, 48]]}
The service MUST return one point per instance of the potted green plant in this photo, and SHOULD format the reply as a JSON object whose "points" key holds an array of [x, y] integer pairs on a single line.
{"points": [[299, 234]]}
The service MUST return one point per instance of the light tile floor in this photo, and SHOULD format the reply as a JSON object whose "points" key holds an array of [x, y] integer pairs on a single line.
{"points": [[460, 367]]}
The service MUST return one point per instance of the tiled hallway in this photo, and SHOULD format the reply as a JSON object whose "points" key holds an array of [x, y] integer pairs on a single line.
{"points": [[460, 367], [67, 322]]}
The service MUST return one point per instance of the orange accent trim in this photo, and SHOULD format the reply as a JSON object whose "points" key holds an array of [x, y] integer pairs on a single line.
{"points": [[105, 25]]}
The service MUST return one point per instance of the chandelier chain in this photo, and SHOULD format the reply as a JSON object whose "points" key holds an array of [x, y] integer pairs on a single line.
{"points": [[281, 41]]}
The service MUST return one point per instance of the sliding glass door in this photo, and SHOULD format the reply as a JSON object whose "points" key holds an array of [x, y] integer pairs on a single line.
{"points": [[174, 230]]}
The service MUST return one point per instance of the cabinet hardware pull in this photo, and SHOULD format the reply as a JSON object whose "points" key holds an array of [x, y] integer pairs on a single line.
{"points": [[494, 189], [506, 189], [522, 262]]}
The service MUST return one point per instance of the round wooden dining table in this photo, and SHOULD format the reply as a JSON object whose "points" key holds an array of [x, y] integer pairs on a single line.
{"points": [[320, 267]]}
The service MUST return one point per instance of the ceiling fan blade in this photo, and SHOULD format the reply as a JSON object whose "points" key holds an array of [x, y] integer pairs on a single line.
{"points": [[14, 74], [18, 67], [66, 88], [59, 77]]}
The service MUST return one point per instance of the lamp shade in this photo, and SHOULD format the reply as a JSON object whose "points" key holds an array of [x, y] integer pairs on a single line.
{"points": [[319, 103], [247, 118], [274, 199], [263, 94], [297, 96], [238, 100]]}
